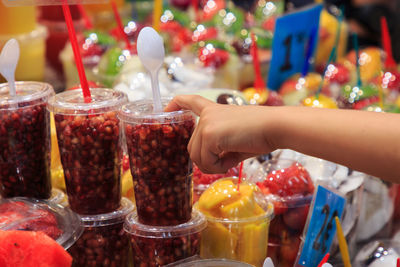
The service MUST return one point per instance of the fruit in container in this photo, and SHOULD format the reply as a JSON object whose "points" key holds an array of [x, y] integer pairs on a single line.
{"points": [[31, 249], [238, 222], [289, 187], [322, 101]]}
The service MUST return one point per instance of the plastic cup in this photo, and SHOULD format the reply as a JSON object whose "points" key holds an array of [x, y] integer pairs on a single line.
{"points": [[104, 241], [241, 236], [159, 162], [161, 245], [58, 197], [27, 214], [32, 56], [197, 262], [25, 141], [90, 150]]}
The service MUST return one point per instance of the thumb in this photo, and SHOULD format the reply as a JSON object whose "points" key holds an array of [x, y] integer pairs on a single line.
{"points": [[194, 103]]}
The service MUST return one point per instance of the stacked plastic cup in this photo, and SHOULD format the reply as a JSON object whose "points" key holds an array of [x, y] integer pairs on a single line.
{"points": [[89, 140], [164, 229], [25, 141]]}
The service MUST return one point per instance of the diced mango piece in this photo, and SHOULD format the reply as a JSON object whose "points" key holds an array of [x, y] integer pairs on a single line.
{"points": [[218, 242], [253, 243], [243, 207], [221, 193]]}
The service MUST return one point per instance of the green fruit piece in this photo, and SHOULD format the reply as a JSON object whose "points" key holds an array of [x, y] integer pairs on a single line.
{"points": [[355, 94], [220, 45], [264, 38], [102, 38], [112, 62], [270, 8], [232, 20], [179, 16]]}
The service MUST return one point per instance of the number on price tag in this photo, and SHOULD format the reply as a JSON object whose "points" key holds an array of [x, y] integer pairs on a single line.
{"points": [[321, 227], [292, 32]]}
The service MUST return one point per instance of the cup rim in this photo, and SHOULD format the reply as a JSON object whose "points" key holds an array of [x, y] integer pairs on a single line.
{"points": [[196, 224], [71, 102], [39, 93], [131, 113]]}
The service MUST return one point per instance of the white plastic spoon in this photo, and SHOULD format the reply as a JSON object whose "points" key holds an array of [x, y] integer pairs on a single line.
{"points": [[150, 47], [268, 262], [8, 63]]}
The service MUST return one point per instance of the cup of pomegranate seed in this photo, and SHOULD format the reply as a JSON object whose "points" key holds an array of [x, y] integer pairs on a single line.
{"points": [[25, 141], [160, 245], [159, 162], [198, 262], [90, 148], [288, 185], [103, 241]]}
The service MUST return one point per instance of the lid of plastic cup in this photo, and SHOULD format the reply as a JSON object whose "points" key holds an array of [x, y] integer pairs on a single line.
{"points": [[142, 112], [58, 197], [72, 102], [208, 263], [196, 224], [110, 218], [60, 223], [28, 94]]}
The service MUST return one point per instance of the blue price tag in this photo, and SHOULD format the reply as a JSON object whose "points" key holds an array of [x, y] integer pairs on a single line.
{"points": [[292, 32], [321, 227]]}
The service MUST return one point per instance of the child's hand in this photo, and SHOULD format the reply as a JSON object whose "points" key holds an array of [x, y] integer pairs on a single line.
{"points": [[225, 135]]}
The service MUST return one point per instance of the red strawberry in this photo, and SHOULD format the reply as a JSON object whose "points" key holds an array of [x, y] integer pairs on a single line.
{"points": [[269, 24], [211, 8], [289, 248], [204, 34], [365, 102], [213, 57], [337, 73], [296, 217]]}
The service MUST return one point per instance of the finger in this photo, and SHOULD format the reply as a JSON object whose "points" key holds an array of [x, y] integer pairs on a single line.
{"points": [[192, 138], [194, 103], [228, 161], [209, 155], [195, 149]]}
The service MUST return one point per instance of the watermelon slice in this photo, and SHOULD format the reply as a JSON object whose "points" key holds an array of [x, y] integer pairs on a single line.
{"points": [[31, 249]]}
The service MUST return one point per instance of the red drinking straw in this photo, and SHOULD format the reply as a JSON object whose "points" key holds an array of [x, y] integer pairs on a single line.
{"points": [[240, 175], [398, 262], [85, 16], [387, 44], [195, 4], [75, 48], [324, 259], [259, 83], [120, 25]]}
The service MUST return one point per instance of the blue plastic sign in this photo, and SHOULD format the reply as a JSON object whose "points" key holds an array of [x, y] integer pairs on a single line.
{"points": [[292, 32], [321, 227]]}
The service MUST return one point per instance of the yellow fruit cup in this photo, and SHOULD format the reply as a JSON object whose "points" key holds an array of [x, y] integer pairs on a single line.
{"points": [[238, 222]]}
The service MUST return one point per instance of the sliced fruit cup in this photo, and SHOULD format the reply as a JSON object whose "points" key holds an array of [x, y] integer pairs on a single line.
{"points": [[159, 162], [25, 141], [28, 214], [160, 245], [89, 140], [286, 229], [288, 185], [238, 222], [104, 241]]}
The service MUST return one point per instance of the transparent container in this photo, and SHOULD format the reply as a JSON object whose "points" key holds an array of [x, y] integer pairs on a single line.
{"points": [[27, 214], [25, 141], [159, 162], [196, 261], [288, 185], [32, 54], [58, 197], [161, 245], [104, 241], [90, 148], [378, 253], [238, 222]]}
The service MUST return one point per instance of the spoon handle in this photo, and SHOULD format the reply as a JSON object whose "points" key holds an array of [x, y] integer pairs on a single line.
{"points": [[11, 85], [156, 92]]}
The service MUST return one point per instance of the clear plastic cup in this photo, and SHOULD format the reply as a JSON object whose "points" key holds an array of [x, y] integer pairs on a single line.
{"points": [[161, 245], [238, 222], [198, 262], [32, 54], [104, 241], [27, 214], [90, 148], [159, 162], [288, 185], [25, 141]]}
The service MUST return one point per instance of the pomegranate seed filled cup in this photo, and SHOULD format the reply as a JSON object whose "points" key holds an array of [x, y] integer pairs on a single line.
{"points": [[159, 162], [89, 142], [25, 140]]}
